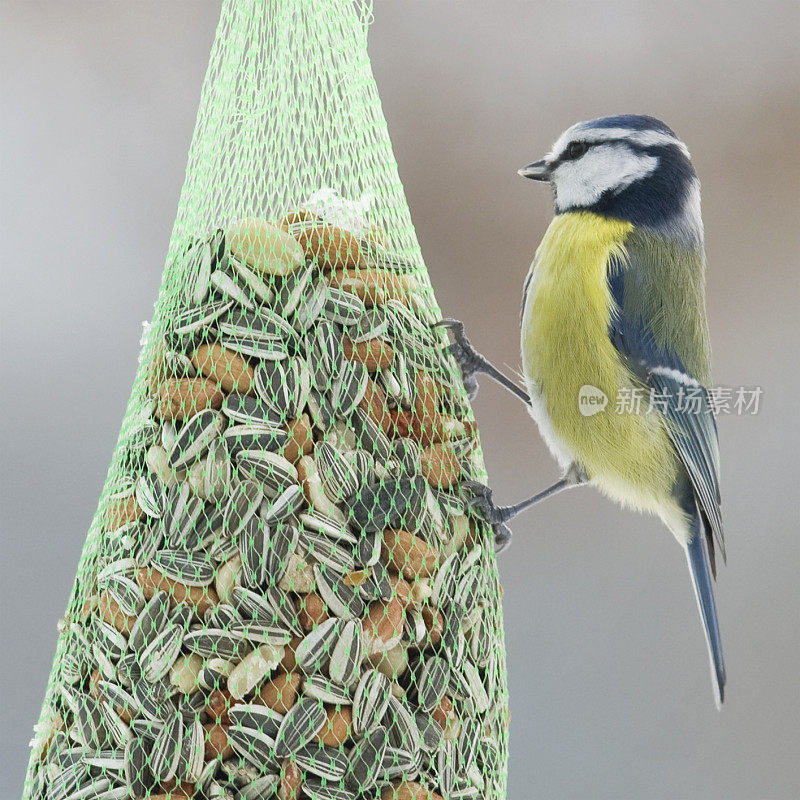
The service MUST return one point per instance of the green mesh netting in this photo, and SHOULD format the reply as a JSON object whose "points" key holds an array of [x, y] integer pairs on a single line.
{"points": [[283, 592]]}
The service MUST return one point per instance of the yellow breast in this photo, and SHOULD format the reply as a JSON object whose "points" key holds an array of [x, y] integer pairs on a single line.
{"points": [[570, 365]]}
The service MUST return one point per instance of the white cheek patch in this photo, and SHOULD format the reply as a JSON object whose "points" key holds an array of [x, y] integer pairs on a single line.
{"points": [[605, 167]]}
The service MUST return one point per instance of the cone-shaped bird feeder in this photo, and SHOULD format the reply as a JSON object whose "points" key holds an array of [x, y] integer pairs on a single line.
{"points": [[284, 592]]}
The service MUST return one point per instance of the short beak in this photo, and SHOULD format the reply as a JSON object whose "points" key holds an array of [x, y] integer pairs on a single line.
{"points": [[538, 171]]}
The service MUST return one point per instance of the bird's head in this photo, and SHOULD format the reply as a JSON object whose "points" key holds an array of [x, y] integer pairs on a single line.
{"points": [[630, 166]]}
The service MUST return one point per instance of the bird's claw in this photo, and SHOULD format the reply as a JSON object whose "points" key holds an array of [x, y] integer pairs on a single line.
{"points": [[469, 360], [496, 516]]}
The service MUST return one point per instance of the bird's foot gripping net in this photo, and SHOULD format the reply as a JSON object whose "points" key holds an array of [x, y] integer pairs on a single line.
{"points": [[284, 591]]}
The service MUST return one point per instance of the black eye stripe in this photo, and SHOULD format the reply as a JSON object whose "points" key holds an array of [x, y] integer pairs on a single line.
{"points": [[574, 151]]}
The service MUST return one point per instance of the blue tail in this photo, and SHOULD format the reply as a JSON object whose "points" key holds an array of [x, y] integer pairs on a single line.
{"points": [[700, 567]]}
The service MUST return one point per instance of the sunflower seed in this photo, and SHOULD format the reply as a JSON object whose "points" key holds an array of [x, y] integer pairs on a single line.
{"points": [[287, 504], [246, 410], [342, 600], [167, 749], [194, 319], [190, 761], [303, 721], [433, 682], [215, 673], [370, 701], [371, 324], [242, 505], [253, 544], [158, 656], [316, 647], [257, 717], [137, 771], [150, 495], [316, 522], [217, 643], [312, 302], [397, 763], [273, 470], [248, 281], [343, 307], [228, 284], [347, 654], [335, 555], [349, 387], [282, 544], [111, 641], [127, 593], [402, 728], [477, 691], [383, 505], [195, 437], [444, 583], [324, 354], [150, 622], [252, 606], [369, 549], [429, 729], [415, 629], [260, 633], [480, 643], [254, 747], [263, 349], [321, 410], [291, 292], [365, 760], [255, 437], [284, 386], [468, 740], [327, 763], [192, 569], [446, 767], [338, 475], [327, 691]]}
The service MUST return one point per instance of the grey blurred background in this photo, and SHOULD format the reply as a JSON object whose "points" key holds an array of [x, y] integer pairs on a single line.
{"points": [[610, 693]]}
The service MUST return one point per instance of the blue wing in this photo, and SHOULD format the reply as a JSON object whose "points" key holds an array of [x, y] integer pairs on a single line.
{"points": [[683, 401]]}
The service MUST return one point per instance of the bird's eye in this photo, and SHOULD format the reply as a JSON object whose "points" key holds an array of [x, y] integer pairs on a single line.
{"points": [[575, 150]]}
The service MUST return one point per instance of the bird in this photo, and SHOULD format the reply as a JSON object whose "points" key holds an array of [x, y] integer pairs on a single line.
{"points": [[615, 344]]}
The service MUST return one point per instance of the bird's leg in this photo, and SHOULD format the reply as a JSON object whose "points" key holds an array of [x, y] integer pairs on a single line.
{"points": [[472, 362], [498, 516]]}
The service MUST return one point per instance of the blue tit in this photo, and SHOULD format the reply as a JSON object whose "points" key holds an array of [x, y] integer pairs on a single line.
{"points": [[614, 307]]}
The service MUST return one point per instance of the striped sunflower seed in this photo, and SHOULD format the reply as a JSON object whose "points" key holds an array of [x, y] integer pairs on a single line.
{"points": [[195, 437], [365, 760], [433, 682], [303, 721], [343, 307], [345, 662], [256, 717], [191, 569], [150, 495], [342, 600], [195, 319], [274, 471], [216, 643], [284, 386], [244, 502], [327, 691], [287, 504], [339, 477], [166, 751], [315, 649], [327, 763], [370, 701]]}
